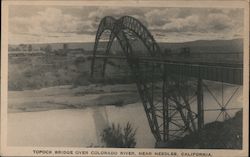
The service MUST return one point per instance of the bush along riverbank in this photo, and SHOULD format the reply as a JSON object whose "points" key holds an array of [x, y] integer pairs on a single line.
{"points": [[214, 135]]}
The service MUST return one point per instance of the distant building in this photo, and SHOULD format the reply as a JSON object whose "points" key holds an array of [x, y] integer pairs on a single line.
{"points": [[185, 51], [25, 53], [75, 53], [65, 47], [30, 47], [168, 52], [47, 48], [23, 47]]}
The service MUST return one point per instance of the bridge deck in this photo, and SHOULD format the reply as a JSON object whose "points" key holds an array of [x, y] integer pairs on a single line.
{"points": [[231, 73]]}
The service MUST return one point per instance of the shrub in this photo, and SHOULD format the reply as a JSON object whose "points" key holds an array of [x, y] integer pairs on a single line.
{"points": [[118, 137]]}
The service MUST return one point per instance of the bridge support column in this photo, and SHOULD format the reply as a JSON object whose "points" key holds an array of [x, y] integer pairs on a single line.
{"points": [[165, 97], [200, 106]]}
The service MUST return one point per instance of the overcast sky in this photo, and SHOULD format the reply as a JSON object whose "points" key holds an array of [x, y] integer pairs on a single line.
{"points": [[47, 24]]}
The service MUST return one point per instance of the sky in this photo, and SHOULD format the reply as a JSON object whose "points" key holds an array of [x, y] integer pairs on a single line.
{"points": [[56, 24]]}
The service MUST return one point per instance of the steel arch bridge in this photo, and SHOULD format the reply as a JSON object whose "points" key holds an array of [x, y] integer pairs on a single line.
{"points": [[162, 84]]}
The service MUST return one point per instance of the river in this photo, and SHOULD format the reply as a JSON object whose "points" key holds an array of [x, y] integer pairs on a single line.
{"points": [[82, 127]]}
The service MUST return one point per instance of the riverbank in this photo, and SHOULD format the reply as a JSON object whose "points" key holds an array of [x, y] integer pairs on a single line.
{"points": [[215, 135], [69, 97]]}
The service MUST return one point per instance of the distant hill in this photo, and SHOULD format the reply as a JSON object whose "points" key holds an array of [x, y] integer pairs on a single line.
{"points": [[235, 45]]}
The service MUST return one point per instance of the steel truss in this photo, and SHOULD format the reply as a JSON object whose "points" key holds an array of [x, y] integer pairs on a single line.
{"points": [[173, 103]]}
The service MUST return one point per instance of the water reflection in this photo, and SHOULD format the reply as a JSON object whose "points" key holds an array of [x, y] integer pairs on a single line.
{"points": [[100, 118]]}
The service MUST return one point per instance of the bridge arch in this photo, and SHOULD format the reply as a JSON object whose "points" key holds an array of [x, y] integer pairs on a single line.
{"points": [[117, 27], [131, 24], [156, 107], [107, 23], [134, 25]]}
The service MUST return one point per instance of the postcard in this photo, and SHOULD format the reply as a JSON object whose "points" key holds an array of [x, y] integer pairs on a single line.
{"points": [[125, 78]]}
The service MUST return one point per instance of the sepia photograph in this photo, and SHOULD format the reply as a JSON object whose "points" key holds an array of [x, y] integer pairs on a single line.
{"points": [[109, 76]]}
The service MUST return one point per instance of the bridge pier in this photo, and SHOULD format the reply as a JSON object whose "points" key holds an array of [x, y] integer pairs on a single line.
{"points": [[200, 106]]}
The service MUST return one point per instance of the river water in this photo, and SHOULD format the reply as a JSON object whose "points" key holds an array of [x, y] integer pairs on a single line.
{"points": [[82, 127], [75, 127]]}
